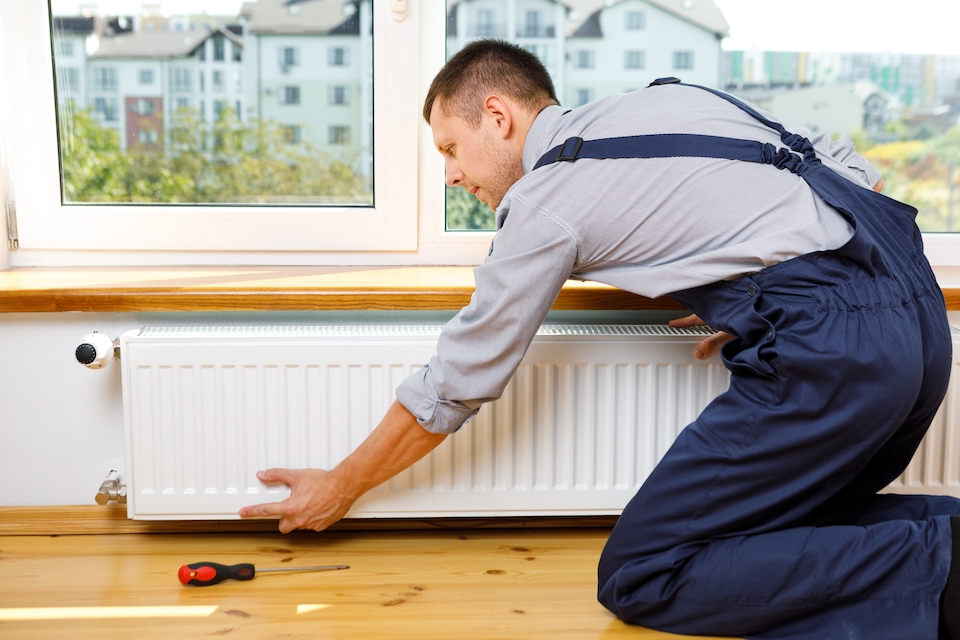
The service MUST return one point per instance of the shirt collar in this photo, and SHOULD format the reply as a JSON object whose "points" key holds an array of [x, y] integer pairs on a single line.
{"points": [[540, 135]]}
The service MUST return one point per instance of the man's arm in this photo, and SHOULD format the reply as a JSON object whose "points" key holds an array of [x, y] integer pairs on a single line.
{"points": [[319, 498]]}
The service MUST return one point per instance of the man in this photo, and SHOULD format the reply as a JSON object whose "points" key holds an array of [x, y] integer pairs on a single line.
{"points": [[763, 518]]}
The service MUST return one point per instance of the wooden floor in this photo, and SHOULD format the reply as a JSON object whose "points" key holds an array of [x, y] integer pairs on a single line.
{"points": [[485, 584]]}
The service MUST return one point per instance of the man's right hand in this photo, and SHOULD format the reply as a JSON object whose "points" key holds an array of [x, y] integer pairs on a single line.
{"points": [[316, 500]]}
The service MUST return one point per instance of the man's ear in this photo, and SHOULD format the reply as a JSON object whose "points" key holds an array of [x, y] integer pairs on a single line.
{"points": [[499, 112]]}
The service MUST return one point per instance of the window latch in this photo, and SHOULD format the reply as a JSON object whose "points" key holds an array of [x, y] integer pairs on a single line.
{"points": [[399, 9]]}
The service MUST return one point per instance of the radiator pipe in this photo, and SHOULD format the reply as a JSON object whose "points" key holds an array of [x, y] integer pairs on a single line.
{"points": [[112, 489]]}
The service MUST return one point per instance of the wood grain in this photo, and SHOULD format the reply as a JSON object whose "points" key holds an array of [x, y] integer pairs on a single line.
{"points": [[523, 584], [100, 520], [273, 289]]}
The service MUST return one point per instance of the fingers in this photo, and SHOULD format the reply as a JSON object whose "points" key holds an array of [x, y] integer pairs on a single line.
{"points": [[692, 320], [710, 345], [265, 510], [286, 476]]}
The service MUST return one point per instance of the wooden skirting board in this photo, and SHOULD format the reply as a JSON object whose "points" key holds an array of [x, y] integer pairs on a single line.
{"points": [[100, 520]]}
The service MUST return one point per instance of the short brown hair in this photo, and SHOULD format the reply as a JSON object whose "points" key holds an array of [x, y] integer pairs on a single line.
{"points": [[485, 66]]}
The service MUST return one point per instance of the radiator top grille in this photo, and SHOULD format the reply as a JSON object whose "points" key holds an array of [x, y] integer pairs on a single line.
{"points": [[326, 331]]}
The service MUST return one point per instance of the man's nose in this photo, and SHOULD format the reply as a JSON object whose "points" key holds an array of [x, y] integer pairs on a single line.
{"points": [[454, 175]]}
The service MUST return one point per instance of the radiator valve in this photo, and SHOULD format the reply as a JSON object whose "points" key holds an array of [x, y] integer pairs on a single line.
{"points": [[97, 350], [112, 489]]}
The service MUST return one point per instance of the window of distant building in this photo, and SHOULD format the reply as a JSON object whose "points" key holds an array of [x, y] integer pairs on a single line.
{"points": [[289, 57], [486, 26], [634, 60], [339, 135], [290, 95], [216, 80], [683, 60], [179, 79], [104, 79], [236, 52], [66, 48], [338, 57], [202, 51], [584, 96], [218, 48], [339, 95], [291, 134], [583, 59], [635, 20], [146, 76], [531, 24]]}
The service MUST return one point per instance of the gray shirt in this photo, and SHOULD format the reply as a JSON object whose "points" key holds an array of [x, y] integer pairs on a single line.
{"points": [[648, 226]]}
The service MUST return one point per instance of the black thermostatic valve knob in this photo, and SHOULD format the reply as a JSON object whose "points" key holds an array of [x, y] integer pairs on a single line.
{"points": [[86, 353]]}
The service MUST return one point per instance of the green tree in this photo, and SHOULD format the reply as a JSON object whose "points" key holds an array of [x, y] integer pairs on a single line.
{"points": [[465, 212]]}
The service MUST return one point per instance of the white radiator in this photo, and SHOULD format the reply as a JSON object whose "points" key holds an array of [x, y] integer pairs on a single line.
{"points": [[588, 414]]}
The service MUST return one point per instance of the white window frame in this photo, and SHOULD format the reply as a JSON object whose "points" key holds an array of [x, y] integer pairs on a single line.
{"points": [[51, 233]]}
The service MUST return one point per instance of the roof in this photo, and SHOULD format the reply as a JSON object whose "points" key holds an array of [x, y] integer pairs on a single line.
{"points": [[156, 44], [701, 13], [324, 17], [69, 25]]}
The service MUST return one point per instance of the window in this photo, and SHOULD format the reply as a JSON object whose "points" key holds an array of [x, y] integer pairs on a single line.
{"points": [[143, 106], [200, 79], [202, 52], [149, 136], [236, 52], [531, 25], [583, 59], [584, 96], [218, 48], [330, 205], [107, 109], [634, 60], [290, 95], [339, 95], [146, 76], [291, 134], [339, 135], [683, 60], [179, 80], [216, 80], [635, 20], [289, 57], [66, 48], [338, 57], [104, 79], [485, 26]]}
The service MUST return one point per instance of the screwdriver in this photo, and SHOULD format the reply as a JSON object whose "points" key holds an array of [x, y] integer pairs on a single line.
{"points": [[202, 574]]}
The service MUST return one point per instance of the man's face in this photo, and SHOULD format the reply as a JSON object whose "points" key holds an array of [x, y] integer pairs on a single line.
{"points": [[478, 159]]}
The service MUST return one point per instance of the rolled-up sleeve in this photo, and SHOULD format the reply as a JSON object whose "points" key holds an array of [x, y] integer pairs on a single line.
{"points": [[532, 255]]}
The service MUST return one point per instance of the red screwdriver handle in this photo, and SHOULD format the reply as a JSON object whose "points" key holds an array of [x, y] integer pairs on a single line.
{"points": [[201, 574]]}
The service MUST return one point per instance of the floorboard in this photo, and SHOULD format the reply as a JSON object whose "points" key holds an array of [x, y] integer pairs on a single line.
{"points": [[470, 584]]}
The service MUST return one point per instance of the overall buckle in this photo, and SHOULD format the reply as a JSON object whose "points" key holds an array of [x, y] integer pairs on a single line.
{"points": [[572, 155]]}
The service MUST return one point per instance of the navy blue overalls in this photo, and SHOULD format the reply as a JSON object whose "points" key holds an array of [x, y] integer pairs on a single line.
{"points": [[763, 519]]}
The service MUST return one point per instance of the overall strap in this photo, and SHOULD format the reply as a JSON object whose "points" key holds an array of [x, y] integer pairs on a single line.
{"points": [[671, 145]]}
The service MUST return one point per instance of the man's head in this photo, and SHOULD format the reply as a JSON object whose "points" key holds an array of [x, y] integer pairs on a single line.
{"points": [[480, 107]]}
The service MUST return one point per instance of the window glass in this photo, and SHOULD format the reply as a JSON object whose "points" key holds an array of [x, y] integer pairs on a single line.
{"points": [[157, 103], [898, 99]]}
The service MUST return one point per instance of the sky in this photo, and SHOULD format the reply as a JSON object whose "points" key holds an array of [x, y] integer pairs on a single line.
{"points": [[869, 26]]}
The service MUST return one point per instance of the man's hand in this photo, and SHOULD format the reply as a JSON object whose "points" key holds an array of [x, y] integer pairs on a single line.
{"points": [[316, 501], [320, 498], [708, 346]]}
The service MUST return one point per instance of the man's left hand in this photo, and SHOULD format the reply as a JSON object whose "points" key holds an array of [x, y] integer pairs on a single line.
{"points": [[709, 345]]}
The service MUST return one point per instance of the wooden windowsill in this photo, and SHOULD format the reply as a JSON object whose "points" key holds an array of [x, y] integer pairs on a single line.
{"points": [[145, 289], [156, 289]]}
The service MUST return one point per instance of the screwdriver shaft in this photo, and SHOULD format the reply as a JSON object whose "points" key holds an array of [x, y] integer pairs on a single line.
{"points": [[329, 567]]}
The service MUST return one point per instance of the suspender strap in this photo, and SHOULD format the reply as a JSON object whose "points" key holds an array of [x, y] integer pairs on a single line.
{"points": [[671, 145]]}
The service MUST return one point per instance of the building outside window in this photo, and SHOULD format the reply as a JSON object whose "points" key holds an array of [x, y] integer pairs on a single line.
{"points": [[149, 136], [583, 59], [338, 57], [531, 24], [146, 76], [339, 95], [179, 80], [218, 48], [69, 79], [66, 48], [291, 134], [289, 57], [202, 52], [104, 79], [236, 52], [201, 78], [216, 81], [634, 60], [339, 135], [485, 26], [107, 109], [183, 103], [290, 95], [683, 60], [635, 20], [584, 96]]}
